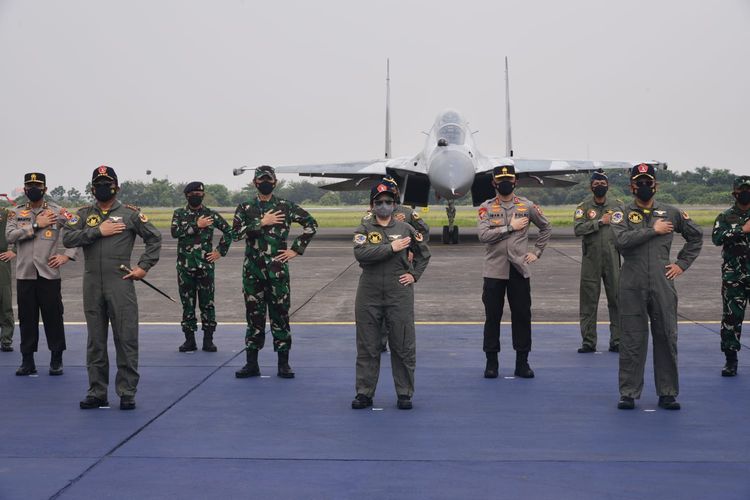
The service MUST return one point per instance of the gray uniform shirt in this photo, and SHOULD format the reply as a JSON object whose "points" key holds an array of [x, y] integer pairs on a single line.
{"points": [[35, 247], [505, 248]]}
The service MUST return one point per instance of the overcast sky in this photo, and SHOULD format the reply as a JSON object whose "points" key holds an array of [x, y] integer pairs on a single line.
{"points": [[191, 89]]}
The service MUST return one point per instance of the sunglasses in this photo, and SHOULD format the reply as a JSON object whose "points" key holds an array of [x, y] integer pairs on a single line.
{"points": [[387, 203]]}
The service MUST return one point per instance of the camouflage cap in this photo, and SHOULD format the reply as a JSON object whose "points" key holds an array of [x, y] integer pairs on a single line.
{"points": [[265, 171], [741, 181]]}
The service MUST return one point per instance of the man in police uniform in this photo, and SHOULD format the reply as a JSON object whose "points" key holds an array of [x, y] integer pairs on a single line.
{"points": [[643, 233], [600, 261], [193, 226], [7, 323], [35, 230], [401, 214], [264, 223], [107, 230], [731, 233], [385, 296], [503, 227]]}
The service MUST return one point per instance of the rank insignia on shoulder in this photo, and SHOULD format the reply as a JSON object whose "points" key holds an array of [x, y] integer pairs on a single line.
{"points": [[359, 239], [143, 217], [635, 217], [579, 213], [617, 217], [93, 220], [592, 214], [685, 215], [374, 238], [418, 237]]}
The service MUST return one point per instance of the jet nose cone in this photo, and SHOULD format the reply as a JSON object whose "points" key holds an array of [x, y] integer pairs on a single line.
{"points": [[451, 173]]}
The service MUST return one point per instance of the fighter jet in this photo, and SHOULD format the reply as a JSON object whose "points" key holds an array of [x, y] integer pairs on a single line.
{"points": [[450, 164]]}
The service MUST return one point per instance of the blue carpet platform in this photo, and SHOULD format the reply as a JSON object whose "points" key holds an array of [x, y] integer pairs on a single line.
{"points": [[199, 432]]}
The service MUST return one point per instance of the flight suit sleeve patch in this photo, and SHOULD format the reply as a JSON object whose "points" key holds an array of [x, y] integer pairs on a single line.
{"points": [[359, 239], [579, 213], [685, 215], [73, 220], [418, 236], [143, 217], [617, 217], [415, 216]]}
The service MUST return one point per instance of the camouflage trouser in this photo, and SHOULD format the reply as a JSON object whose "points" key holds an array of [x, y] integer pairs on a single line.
{"points": [[734, 296], [200, 283], [271, 293]]}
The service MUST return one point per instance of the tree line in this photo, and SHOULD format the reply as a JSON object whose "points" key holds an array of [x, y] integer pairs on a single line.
{"points": [[702, 186]]}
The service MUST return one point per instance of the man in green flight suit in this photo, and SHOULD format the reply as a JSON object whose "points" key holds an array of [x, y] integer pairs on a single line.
{"points": [[264, 224], [643, 232], [193, 226], [106, 231], [600, 261], [385, 296], [7, 323], [731, 233]]}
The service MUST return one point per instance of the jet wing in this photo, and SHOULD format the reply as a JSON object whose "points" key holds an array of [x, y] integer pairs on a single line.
{"points": [[359, 175]]}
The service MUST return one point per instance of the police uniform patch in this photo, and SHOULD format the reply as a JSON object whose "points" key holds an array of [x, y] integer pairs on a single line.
{"points": [[359, 239], [685, 215], [24, 213], [418, 236], [48, 234], [592, 214], [617, 217], [579, 213], [483, 213], [635, 217], [143, 217], [374, 238], [93, 220]]}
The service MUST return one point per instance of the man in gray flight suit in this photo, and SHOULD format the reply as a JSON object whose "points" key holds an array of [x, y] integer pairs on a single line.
{"points": [[643, 232], [385, 295], [503, 227], [600, 261], [35, 230], [106, 230], [7, 323]]}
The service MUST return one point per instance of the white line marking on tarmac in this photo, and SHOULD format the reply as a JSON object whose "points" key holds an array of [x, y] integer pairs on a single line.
{"points": [[649, 411], [421, 323], [377, 409]]}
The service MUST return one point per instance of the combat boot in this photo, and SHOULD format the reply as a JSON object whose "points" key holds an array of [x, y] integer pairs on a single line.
{"points": [[251, 368], [6, 348], [493, 366], [523, 369], [55, 363], [208, 341], [27, 365], [285, 371], [730, 368], [668, 403], [189, 344]]}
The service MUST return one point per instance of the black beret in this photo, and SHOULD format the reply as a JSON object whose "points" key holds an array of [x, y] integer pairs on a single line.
{"points": [[193, 186]]}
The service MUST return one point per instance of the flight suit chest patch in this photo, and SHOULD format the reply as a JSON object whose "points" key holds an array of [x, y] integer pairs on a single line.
{"points": [[635, 217], [93, 220], [375, 238]]}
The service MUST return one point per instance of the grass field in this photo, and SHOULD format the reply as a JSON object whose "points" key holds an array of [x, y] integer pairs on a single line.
{"points": [[349, 217]]}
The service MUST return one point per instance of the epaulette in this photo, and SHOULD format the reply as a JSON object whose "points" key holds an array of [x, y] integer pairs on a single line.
{"points": [[133, 207]]}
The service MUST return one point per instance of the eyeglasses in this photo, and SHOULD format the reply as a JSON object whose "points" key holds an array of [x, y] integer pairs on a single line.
{"points": [[644, 182], [387, 203]]}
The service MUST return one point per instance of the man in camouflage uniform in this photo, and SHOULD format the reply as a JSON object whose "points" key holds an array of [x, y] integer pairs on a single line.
{"points": [[731, 232], [643, 231], [193, 226], [503, 227], [6, 290], [264, 224], [385, 296], [106, 230], [401, 214], [600, 261]]}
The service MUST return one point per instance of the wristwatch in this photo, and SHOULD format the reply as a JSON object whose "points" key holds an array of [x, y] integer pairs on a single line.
{"points": [[510, 229], [35, 226]]}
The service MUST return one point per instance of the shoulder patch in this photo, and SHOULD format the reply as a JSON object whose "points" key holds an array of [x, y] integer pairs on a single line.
{"points": [[418, 237], [685, 215], [359, 239], [617, 217], [482, 213], [143, 217], [579, 213], [415, 215], [73, 220], [133, 207]]}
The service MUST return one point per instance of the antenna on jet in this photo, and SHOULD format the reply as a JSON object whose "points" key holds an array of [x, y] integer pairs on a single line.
{"points": [[508, 137], [387, 108]]}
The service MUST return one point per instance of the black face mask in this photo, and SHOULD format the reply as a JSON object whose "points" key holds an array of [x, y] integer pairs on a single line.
{"points": [[104, 192], [34, 194], [645, 193], [265, 188], [195, 201], [600, 191], [743, 197], [504, 188]]}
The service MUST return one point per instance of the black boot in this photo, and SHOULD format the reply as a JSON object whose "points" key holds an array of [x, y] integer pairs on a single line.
{"points": [[208, 341], [492, 367], [189, 344], [285, 371], [251, 368], [523, 369], [730, 368], [55, 363], [27, 365]]}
